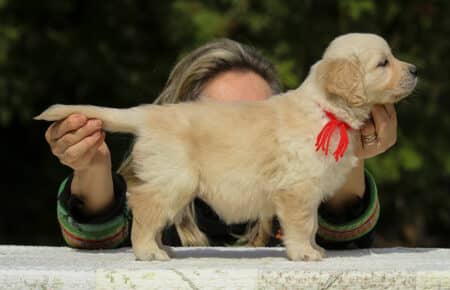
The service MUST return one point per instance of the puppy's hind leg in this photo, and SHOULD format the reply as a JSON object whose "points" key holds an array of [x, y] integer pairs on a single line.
{"points": [[149, 219], [153, 207], [297, 212]]}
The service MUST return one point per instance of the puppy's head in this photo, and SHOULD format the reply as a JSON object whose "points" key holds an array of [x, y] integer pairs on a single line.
{"points": [[360, 69]]}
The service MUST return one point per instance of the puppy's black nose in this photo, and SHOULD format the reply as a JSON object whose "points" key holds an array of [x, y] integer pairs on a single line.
{"points": [[413, 70]]}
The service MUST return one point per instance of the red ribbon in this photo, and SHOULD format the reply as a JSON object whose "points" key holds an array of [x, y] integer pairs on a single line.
{"points": [[323, 139]]}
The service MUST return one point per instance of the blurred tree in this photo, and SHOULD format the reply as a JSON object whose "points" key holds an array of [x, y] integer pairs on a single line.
{"points": [[119, 53]]}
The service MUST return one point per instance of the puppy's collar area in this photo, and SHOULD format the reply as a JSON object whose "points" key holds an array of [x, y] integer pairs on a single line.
{"points": [[323, 139]]}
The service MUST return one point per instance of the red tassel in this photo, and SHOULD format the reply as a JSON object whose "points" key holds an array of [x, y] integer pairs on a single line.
{"points": [[323, 139]]}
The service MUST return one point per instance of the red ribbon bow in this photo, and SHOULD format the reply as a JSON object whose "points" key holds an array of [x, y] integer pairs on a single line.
{"points": [[323, 139]]}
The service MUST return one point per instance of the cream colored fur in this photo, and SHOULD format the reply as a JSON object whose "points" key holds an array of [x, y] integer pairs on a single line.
{"points": [[252, 160]]}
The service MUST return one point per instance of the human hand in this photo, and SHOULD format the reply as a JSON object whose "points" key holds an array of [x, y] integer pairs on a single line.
{"points": [[78, 142], [379, 133]]}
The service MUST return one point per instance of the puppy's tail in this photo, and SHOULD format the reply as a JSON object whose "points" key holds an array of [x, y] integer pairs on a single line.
{"points": [[114, 120]]}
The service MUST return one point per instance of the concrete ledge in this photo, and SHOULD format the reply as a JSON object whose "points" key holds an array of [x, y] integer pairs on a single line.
{"points": [[24, 267]]}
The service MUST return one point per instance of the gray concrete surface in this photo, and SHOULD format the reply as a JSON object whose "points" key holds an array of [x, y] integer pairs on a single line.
{"points": [[26, 267]]}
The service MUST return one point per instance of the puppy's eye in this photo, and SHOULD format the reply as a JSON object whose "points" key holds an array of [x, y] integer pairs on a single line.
{"points": [[383, 63]]}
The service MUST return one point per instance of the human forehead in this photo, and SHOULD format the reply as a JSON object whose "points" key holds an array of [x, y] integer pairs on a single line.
{"points": [[237, 85]]}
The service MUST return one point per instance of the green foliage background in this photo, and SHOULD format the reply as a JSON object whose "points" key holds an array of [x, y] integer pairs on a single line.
{"points": [[119, 53]]}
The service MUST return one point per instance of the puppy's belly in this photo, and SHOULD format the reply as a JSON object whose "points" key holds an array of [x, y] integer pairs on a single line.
{"points": [[239, 206]]}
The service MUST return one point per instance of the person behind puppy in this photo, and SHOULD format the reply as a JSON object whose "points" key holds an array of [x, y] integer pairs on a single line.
{"points": [[91, 206]]}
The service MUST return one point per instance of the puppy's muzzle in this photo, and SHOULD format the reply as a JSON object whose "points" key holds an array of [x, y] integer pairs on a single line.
{"points": [[409, 80], [413, 70]]}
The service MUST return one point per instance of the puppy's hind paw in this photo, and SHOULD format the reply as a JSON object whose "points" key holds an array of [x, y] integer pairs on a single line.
{"points": [[304, 254], [151, 255]]}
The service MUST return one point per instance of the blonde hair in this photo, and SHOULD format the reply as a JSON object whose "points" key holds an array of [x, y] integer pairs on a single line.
{"points": [[185, 83]]}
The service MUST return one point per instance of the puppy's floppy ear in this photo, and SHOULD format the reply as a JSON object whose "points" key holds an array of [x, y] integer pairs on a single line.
{"points": [[342, 77]]}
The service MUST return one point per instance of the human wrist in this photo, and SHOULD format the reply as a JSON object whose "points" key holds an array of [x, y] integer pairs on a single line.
{"points": [[94, 186], [354, 223]]}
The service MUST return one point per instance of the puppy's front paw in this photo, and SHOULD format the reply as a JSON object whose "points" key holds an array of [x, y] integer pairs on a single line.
{"points": [[151, 255], [304, 253]]}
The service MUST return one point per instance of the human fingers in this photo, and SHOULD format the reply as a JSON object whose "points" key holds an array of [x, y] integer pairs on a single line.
{"points": [[368, 134], [79, 156], [385, 120], [390, 109], [62, 127], [73, 137]]}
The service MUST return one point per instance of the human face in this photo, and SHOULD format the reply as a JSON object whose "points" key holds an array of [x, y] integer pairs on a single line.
{"points": [[237, 85]]}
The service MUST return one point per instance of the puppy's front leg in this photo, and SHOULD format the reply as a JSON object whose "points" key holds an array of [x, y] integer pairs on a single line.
{"points": [[313, 236], [297, 212]]}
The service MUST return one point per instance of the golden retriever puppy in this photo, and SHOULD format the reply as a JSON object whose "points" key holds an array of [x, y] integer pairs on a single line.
{"points": [[253, 160]]}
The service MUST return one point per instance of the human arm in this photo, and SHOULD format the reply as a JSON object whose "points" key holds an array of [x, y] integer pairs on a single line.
{"points": [[78, 142], [108, 228], [91, 203], [350, 205]]}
